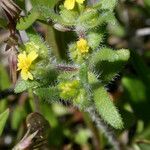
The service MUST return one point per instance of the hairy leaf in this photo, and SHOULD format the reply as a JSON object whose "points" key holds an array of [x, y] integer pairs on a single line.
{"points": [[106, 108], [107, 62], [108, 5], [50, 94], [23, 85], [25, 22]]}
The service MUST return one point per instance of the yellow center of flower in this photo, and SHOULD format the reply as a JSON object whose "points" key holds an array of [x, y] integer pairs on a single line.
{"points": [[24, 64], [82, 46], [70, 4]]}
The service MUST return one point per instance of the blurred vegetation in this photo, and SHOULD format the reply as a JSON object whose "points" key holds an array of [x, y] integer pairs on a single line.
{"points": [[63, 126]]}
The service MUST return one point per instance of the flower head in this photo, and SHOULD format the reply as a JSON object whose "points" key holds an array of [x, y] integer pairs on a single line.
{"points": [[70, 4], [24, 64], [82, 46]]}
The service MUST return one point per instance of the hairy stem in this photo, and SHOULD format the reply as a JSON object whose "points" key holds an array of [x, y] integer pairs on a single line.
{"points": [[103, 127]]}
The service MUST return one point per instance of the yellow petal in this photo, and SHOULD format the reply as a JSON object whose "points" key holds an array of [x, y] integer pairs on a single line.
{"points": [[80, 1], [69, 4], [22, 56], [24, 75], [30, 76], [32, 56], [19, 66]]}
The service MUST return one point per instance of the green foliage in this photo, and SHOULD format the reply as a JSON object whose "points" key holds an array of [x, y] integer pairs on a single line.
{"points": [[48, 3], [82, 136], [141, 68], [23, 85], [73, 68], [43, 50], [107, 54], [50, 94], [94, 39], [17, 119], [4, 78], [138, 98], [106, 108], [107, 58], [68, 16], [109, 6], [3, 119], [26, 22], [86, 52]]}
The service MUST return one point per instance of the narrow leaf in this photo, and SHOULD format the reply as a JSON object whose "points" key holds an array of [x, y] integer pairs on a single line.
{"points": [[107, 109], [27, 21], [3, 119]]}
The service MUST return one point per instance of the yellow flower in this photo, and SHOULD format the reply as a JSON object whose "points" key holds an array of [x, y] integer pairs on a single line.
{"points": [[82, 46], [24, 64], [69, 4]]}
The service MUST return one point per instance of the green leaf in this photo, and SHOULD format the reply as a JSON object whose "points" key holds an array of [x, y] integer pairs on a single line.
{"points": [[107, 54], [144, 146], [3, 119], [107, 62], [108, 5], [82, 136], [137, 94], [68, 16], [50, 94], [94, 39], [106, 108], [140, 67], [89, 19], [36, 39], [48, 3], [17, 117], [147, 3], [133, 84], [145, 134], [23, 85], [4, 78], [26, 22], [49, 114]]}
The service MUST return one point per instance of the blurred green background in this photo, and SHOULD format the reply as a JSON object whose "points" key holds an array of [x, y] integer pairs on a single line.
{"points": [[69, 128]]}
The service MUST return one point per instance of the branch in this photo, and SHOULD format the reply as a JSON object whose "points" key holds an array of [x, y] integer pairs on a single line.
{"points": [[66, 68]]}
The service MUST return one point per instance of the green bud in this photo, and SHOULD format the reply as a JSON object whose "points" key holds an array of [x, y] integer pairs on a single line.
{"points": [[68, 89]]}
